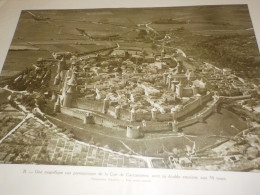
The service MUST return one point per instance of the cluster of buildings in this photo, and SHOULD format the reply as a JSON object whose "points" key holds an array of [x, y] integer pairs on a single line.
{"points": [[129, 86], [225, 83], [32, 78]]}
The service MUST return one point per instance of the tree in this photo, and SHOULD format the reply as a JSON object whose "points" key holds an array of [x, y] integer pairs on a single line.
{"points": [[142, 33]]}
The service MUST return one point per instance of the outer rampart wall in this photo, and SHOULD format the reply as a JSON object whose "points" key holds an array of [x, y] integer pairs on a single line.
{"points": [[108, 122], [207, 112], [206, 97], [192, 106], [239, 97], [187, 109], [98, 119], [157, 127], [202, 115], [188, 122], [73, 113], [143, 116]]}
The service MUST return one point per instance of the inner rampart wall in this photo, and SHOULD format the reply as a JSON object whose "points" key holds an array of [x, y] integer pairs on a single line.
{"points": [[125, 115], [187, 92], [111, 111], [164, 117], [88, 104]]}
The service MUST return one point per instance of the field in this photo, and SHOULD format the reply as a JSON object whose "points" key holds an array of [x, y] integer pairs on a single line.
{"points": [[9, 119], [206, 32], [19, 60]]}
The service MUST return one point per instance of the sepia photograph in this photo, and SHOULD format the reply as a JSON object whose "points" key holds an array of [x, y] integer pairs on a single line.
{"points": [[168, 88]]}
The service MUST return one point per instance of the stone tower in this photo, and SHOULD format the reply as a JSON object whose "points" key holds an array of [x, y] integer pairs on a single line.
{"points": [[175, 127], [57, 79], [194, 90], [133, 132], [179, 90], [105, 105], [132, 115], [163, 53], [57, 105], [70, 91]]}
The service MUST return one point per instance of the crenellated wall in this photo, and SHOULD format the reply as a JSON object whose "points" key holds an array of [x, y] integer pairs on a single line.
{"points": [[238, 97], [201, 116], [156, 127], [192, 106], [97, 119], [70, 112], [206, 97], [87, 104], [125, 115], [111, 111], [188, 122], [164, 116], [109, 122], [143, 116]]}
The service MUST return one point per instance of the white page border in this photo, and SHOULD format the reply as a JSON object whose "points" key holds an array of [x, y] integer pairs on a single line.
{"points": [[14, 181]]}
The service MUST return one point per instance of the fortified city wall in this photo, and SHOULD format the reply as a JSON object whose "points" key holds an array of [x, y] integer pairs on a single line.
{"points": [[135, 130], [192, 106], [93, 118], [98, 106], [87, 104], [151, 126], [201, 116]]}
